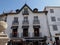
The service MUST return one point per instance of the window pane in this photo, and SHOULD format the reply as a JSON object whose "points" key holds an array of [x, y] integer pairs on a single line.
{"points": [[55, 27], [25, 12], [25, 18], [53, 19], [51, 11], [15, 18], [36, 20], [36, 17], [25, 9], [58, 19], [25, 32], [36, 31], [14, 32]]}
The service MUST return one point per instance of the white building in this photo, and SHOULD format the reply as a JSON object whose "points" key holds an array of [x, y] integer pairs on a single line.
{"points": [[53, 17]]}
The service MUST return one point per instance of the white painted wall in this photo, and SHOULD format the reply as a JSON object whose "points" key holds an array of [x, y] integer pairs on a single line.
{"points": [[56, 14], [42, 18]]}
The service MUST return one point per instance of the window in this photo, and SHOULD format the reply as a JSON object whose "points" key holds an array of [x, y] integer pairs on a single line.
{"points": [[53, 18], [36, 20], [25, 20], [35, 17], [25, 32], [36, 31], [14, 32], [15, 19], [55, 27], [25, 12], [58, 19], [51, 11], [26, 9]]}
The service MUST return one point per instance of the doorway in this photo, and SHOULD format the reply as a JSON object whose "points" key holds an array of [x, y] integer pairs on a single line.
{"points": [[57, 40], [35, 42], [15, 43], [36, 31], [25, 32]]}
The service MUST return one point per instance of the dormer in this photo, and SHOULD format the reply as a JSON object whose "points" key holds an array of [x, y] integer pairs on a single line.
{"points": [[35, 10], [17, 10], [25, 12]]}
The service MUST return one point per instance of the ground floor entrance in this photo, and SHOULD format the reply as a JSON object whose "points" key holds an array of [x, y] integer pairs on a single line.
{"points": [[35, 42], [28, 41], [15, 42], [57, 40]]}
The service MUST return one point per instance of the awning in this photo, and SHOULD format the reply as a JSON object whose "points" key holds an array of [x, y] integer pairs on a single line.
{"points": [[14, 27], [36, 26], [25, 26], [35, 38]]}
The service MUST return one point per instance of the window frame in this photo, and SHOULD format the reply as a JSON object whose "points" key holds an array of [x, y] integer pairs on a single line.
{"points": [[15, 19], [51, 10], [53, 18], [58, 19], [25, 32], [55, 28]]}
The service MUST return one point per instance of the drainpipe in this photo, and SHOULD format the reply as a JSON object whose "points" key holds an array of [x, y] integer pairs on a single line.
{"points": [[48, 28]]}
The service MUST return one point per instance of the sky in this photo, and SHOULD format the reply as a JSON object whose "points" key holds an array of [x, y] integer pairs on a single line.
{"points": [[8, 5]]}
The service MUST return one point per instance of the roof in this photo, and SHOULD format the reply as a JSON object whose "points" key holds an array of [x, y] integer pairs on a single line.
{"points": [[52, 6], [4, 14]]}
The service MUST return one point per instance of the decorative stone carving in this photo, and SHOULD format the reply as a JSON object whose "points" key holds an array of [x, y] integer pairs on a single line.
{"points": [[3, 37], [3, 26]]}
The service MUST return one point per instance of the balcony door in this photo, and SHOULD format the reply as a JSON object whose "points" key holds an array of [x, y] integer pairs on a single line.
{"points": [[25, 32], [35, 43], [36, 31], [14, 32], [11, 42], [17, 43], [57, 40]]}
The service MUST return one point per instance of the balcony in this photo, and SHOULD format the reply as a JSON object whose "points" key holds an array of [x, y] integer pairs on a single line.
{"points": [[25, 36], [11, 35], [40, 35], [15, 23], [25, 13], [25, 24], [14, 27], [36, 23]]}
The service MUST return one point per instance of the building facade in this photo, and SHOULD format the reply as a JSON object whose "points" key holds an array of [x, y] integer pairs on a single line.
{"points": [[26, 26], [53, 17], [32, 27]]}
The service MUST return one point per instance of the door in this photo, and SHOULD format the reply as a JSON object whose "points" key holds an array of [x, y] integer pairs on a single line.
{"points": [[35, 42], [36, 31], [25, 32], [57, 40], [15, 43]]}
